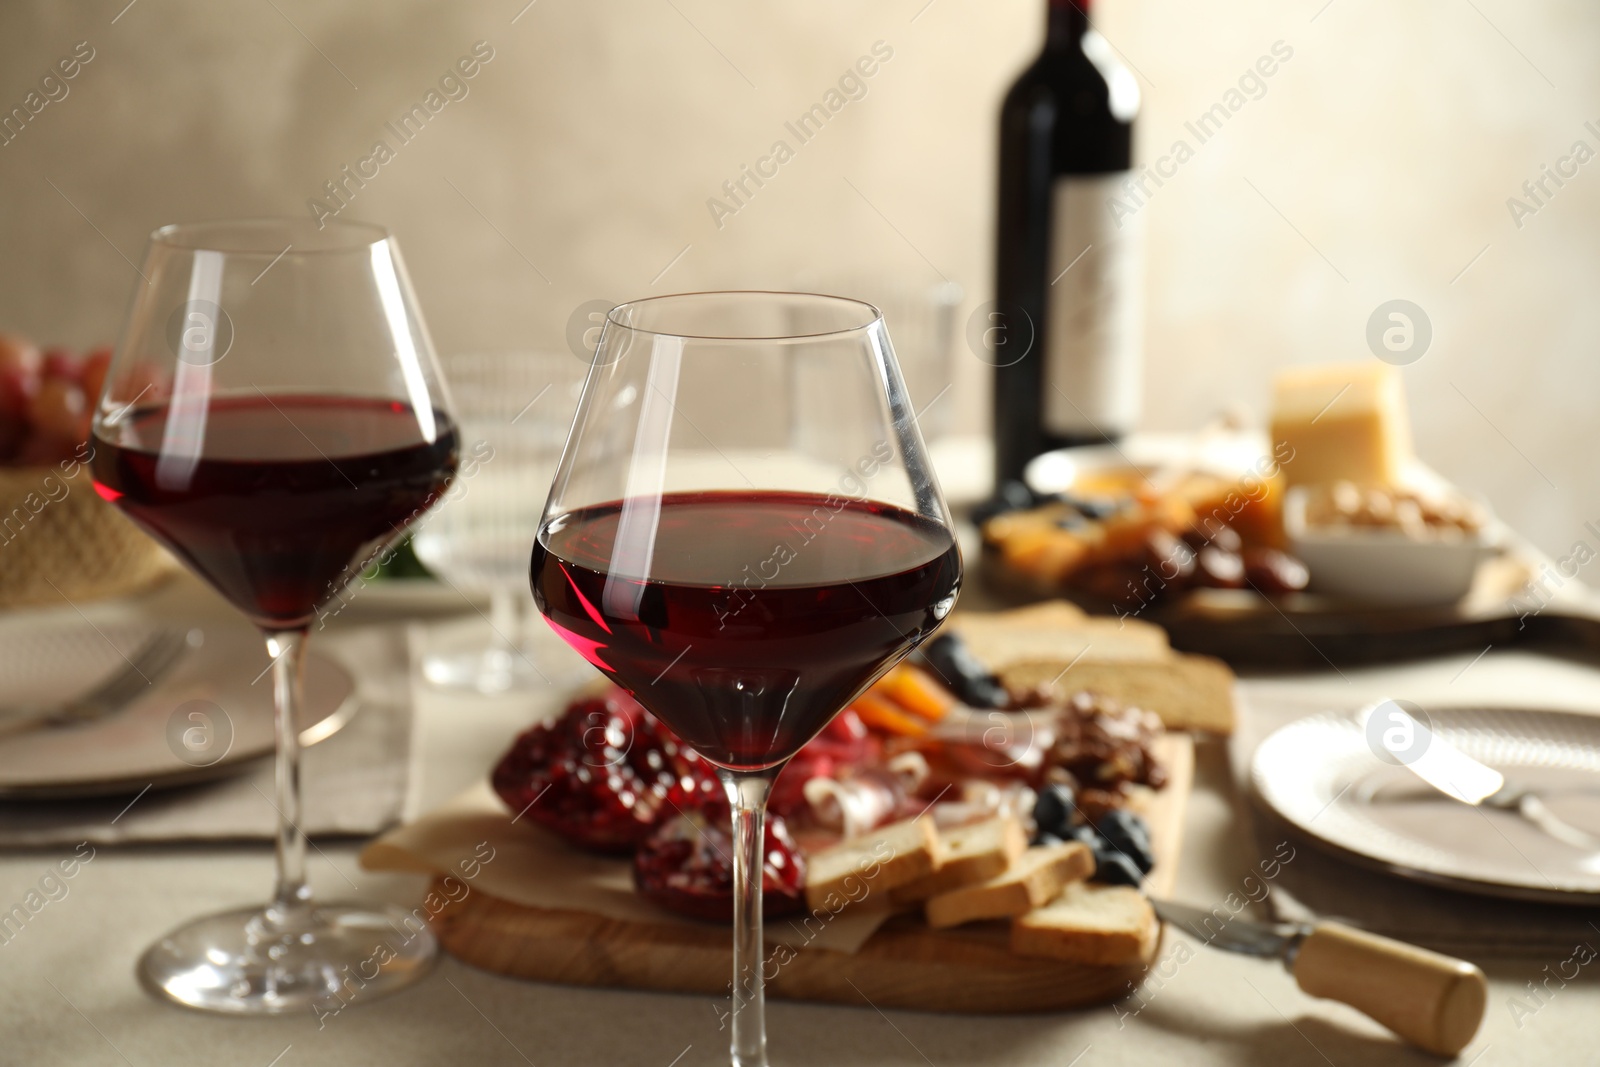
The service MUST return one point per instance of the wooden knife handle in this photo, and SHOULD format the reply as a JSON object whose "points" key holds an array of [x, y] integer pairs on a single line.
{"points": [[1434, 1001]]}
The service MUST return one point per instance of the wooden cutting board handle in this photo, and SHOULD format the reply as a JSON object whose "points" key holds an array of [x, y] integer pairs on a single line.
{"points": [[1434, 1001]]}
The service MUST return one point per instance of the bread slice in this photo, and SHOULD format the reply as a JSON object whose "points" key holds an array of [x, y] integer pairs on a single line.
{"points": [[1099, 925], [1187, 692], [974, 853], [1036, 878], [1056, 644], [1057, 631], [875, 862]]}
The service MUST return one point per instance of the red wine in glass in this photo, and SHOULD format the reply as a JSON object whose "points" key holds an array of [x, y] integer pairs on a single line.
{"points": [[292, 496], [764, 612], [744, 532]]}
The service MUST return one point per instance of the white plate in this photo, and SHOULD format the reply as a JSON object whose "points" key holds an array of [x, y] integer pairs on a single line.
{"points": [[1313, 772], [158, 740], [1226, 454]]}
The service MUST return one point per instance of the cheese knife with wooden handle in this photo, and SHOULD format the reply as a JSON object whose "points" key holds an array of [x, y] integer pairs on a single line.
{"points": [[1434, 1001]]}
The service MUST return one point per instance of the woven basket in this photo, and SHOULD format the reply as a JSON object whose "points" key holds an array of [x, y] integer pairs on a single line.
{"points": [[59, 540]]}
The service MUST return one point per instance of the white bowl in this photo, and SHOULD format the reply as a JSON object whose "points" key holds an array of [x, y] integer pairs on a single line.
{"points": [[1383, 567]]}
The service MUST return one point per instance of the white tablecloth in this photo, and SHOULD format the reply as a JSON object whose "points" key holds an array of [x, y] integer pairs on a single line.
{"points": [[68, 994]]}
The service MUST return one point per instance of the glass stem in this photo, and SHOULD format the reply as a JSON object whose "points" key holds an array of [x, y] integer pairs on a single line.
{"points": [[503, 616], [292, 896], [748, 795], [506, 621]]}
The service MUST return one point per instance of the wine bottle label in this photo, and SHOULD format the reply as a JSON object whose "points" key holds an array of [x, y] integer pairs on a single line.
{"points": [[1092, 371]]}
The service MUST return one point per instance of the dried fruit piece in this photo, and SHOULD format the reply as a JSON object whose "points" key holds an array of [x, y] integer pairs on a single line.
{"points": [[1169, 560], [1274, 573], [1213, 535], [1055, 810], [1113, 868], [1126, 832], [1121, 584], [885, 716], [1219, 568], [916, 692], [955, 664]]}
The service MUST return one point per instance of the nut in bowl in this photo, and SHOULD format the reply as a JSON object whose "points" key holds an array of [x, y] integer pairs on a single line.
{"points": [[1385, 546]]}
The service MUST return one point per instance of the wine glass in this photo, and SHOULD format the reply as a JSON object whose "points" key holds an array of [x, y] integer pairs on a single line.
{"points": [[274, 417], [513, 410], [742, 547]]}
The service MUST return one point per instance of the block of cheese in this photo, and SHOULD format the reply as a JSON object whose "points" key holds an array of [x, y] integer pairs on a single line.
{"points": [[875, 862], [1101, 925], [1035, 879], [1340, 422], [974, 853]]}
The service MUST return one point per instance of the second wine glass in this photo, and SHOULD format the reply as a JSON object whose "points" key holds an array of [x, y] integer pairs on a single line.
{"points": [[745, 534], [274, 417], [513, 410]]}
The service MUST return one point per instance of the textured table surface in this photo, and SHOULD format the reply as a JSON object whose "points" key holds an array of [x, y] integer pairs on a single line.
{"points": [[68, 994]]}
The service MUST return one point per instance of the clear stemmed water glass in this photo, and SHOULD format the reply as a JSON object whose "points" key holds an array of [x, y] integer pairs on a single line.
{"points": [[744, 533], [274, 416], [513, 409]]}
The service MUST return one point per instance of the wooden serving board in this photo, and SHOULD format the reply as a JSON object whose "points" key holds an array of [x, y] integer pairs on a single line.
{"points": [[1306, 631], [903, 965]]}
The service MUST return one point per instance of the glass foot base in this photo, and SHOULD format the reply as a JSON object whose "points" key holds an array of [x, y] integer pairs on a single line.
{"points": [[255, 961]]}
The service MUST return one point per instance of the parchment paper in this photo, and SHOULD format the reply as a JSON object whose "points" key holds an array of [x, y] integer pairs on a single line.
{"points": [[536, 869]]}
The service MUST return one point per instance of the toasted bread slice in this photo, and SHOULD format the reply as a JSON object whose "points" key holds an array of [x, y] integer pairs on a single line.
{"points": [[1100, 925], [1057, 630], [974, 853], [1036, 878], [887, 857], [1056, 644]]}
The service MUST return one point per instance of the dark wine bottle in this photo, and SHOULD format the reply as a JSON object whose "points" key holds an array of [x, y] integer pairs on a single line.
{"points": [[1064, 334]]}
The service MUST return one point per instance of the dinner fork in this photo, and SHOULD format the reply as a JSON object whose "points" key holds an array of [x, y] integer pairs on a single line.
{"points": [[151, 661]]}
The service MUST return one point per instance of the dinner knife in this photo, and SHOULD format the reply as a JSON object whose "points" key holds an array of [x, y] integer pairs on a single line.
{"points": [[1435, 1002], [1459, 776]]}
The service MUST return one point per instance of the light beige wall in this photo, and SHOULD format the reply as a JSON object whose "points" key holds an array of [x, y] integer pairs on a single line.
{"points": [[587, 148]]}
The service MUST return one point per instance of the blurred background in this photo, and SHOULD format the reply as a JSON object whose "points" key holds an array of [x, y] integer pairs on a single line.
{"points": [[576, 165]]}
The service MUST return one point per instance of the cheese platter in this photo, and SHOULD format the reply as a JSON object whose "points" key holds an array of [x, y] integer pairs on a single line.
{"points": [[1012, 877]]}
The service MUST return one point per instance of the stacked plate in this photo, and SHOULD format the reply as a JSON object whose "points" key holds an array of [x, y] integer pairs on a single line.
{"points": [[1322, 776], [185, 705]]}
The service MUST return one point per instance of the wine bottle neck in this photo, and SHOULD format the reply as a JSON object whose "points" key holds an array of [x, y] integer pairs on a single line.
{"points": [[1068, 22]]}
